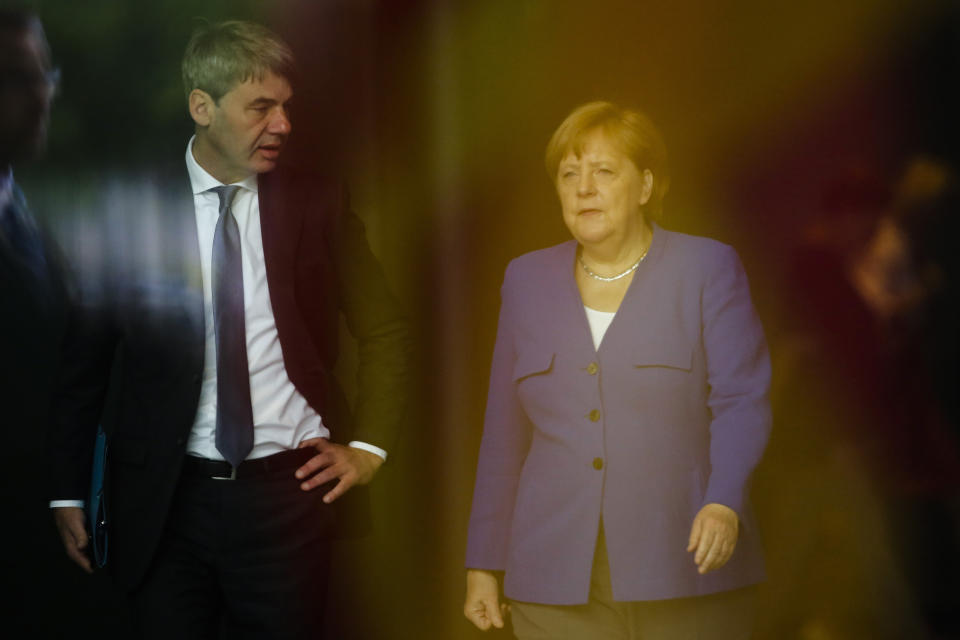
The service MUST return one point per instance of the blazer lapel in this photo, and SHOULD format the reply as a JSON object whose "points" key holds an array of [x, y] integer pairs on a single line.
{"points": [[633, 309], [577, 334], [637, 307], [281, 217]]}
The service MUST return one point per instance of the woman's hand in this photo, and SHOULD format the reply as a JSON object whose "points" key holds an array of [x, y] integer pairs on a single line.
{"points": [[713, 536], [482, 605]]}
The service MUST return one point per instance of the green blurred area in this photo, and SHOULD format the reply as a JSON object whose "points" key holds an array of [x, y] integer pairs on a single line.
{"points": [[121, 96]]}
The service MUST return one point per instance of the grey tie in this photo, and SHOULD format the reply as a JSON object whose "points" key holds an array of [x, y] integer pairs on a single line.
{"points": [[234, 410]]}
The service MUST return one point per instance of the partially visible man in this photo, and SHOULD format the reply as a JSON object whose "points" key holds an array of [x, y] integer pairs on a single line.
{"points": [[217, 319], [31, 322], [29, 283]]}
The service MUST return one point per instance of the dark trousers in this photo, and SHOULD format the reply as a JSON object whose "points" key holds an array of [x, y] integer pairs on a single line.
{"points": [[244, 558]]}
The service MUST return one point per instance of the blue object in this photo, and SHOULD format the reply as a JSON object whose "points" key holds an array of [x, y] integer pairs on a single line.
{"points": [[96, 504]]}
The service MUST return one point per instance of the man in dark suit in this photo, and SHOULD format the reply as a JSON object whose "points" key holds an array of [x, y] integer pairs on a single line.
{"points": [[216, 315], [29, 280], [31, 299]]}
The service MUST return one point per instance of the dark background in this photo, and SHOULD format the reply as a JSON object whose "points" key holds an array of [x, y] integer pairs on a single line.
{"points": [[438, 112]]}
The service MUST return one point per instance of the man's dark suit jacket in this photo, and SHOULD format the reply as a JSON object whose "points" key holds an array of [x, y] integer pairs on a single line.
{"points": [[30, 326], [143, 320]]}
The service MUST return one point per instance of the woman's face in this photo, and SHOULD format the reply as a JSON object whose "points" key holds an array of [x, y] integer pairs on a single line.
{"points": [[602, 191]]}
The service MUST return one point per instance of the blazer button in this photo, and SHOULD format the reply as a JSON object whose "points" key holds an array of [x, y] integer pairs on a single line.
{"points": [[598, 463], [594, 415], [592, 368], [195, 377]]}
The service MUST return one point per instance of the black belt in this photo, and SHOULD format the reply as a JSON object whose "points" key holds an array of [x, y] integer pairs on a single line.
{"points": [[222, 470]]}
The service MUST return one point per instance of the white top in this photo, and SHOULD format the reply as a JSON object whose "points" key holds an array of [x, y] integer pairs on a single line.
{"points": [[599, 323]]}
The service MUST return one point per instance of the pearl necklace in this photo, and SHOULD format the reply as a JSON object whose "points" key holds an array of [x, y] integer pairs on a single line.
{"points": [[596, 276]]}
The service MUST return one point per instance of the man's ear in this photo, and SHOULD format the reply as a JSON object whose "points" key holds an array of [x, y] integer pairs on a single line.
{"points": [[201, 106]]}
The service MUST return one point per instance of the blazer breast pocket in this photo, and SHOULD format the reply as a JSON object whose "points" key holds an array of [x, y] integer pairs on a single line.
{"points": [[670, 353], [532, 360], [534, 378], [663, 374]]}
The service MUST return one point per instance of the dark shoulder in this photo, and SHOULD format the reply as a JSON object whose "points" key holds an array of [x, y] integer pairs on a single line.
{"points": [[290, 182]]}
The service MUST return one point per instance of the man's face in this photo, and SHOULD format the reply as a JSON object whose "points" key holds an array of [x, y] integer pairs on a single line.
{"points": [[243, 133], [25, 93]]}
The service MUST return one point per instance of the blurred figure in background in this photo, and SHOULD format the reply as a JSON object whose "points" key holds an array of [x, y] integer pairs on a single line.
{"points": [[29, 273], [907, 277], [32, 296], [857, 496]]}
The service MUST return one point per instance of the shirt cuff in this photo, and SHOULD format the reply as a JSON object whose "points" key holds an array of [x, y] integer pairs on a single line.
{"points": [[356, 444], [56, 504]]}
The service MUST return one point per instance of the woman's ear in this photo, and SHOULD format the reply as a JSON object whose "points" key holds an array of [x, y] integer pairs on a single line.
{"points": [[647, 191]]}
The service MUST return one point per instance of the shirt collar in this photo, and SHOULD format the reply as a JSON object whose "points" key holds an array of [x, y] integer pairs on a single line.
{"points": [[201, 181]]}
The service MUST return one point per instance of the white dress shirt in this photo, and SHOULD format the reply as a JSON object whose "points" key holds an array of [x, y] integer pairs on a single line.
{"points": [[282, 418]]}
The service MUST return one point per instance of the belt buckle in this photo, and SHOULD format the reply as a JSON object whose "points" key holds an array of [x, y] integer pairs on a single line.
{"points": [[232, 476]]}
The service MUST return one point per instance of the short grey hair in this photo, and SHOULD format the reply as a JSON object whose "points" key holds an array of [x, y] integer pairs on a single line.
{"points": [[219, 56]]}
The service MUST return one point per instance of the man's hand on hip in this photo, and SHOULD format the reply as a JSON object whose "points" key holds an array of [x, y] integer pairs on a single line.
{"points": [[73, 531], [352, 466]]}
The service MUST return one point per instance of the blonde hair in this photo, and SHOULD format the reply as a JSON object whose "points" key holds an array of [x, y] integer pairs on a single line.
{"points": [[220, 56], [632, 132]]}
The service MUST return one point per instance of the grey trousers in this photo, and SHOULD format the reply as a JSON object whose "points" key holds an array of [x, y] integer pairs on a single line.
{"points": [[728, 615]]}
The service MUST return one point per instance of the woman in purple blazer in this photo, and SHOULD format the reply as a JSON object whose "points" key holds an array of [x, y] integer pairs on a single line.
{"points": [[627, 409]]}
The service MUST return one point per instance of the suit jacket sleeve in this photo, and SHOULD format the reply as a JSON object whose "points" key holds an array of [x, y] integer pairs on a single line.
{"points": [[87, 356], [738, 374], [503, 450], [375, 320]]}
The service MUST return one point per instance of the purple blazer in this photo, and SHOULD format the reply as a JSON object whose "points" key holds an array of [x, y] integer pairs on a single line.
{"points": [[671, 413]]}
